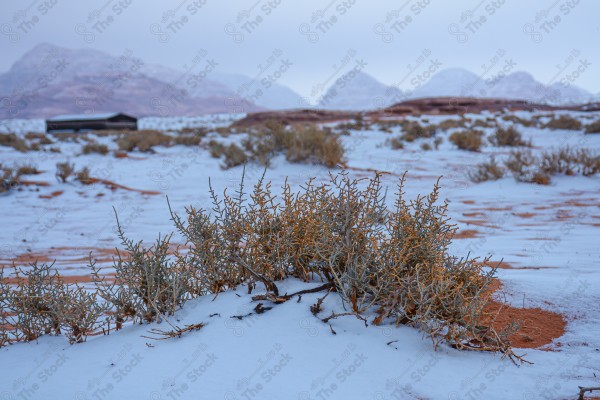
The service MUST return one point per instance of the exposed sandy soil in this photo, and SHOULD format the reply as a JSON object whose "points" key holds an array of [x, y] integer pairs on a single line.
{"points": [[466, 234], [537, 327]]}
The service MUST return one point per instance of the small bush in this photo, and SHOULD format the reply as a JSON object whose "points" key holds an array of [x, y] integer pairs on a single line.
{"points": [[143, 140], [487, 171], [564, 122], [509, 137], [300, 144], [233, 156], [426, 146], [94, 147], [413, 130], [395, 262], [437, 142], [594, 127], [10, 178], [64, 170], [467, 140], [310, 144], [215, 148], [14, 141], [396, 143], [83, 176], [28, 169], [522, 121], [187, 140], [451, 124], [148, 284], [522, 164], [568, 161], [41, 303]]}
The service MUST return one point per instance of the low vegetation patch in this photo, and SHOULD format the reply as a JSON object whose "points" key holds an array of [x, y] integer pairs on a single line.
{"points": [[470, 140], [300, 144], [414, 130], [508, 137], [564, 122], [94, 147], [487, 171], [526, 167], [143, 140], [594, 127], [14, 141]]}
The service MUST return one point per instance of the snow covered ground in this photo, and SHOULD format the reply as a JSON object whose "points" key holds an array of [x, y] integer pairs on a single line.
{"points": [[550, 235]]}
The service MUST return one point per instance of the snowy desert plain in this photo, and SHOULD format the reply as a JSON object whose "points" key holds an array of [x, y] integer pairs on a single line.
{"points": [[547, 236]]}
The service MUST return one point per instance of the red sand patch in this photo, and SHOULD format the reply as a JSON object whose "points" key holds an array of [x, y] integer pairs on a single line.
{"points": [[525, 215], [114, 186], [468, 201], [467, 234], [63, 255], [52, 195], [538, 327], [474, 214], [34, 183], [478, 222]]}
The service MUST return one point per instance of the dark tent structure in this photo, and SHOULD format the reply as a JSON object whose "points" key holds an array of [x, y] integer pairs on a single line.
{"points": [[84, 122]]}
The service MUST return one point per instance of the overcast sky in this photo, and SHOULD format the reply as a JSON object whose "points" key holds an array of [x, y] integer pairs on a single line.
{"points": [[553, 40]]}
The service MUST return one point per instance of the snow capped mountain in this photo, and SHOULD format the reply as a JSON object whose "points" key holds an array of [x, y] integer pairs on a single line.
{"points": [[357, 90], [517, 85], [50, 79], [450, 82]]}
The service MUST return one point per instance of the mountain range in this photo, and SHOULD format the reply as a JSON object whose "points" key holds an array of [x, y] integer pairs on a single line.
{"points": [[50, 80]]}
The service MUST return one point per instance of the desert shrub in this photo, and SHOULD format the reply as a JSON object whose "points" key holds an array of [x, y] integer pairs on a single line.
{"points": [[14, 141], [300, 144], [396, 143], [568, 161], [395, 262], [522, 164], [94, 147], [74, 137], [518, 120], [64, 170], [143, 140], [215, 148], [27, 169], [437, 142], [482, 123], [148, 286], [311, 144], [451, 124], [413, 130], [509, 137], [187, 140], [83, 176], [426, 146], [10, 178], [41, 303], [467, 140], [564, 122], [233, 156], [487, 171], [594, 127]]}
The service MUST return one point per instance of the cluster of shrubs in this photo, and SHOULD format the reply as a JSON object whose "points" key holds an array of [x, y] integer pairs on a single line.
{"points": [[470, 140], [526, 167], [299, 143], [392, 266], [10, 177], [65, 170]]}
